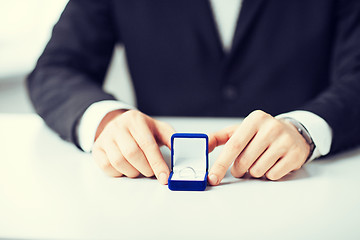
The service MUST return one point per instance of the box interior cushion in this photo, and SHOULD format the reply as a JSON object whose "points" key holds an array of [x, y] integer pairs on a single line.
{"points": [[189, 159]]}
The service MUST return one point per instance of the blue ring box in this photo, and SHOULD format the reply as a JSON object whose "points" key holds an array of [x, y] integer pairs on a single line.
{"points": [[189, 162]]}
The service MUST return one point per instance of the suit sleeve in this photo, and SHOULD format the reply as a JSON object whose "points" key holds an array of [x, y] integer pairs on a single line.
{"points": [[339, 105], [69, 74]]}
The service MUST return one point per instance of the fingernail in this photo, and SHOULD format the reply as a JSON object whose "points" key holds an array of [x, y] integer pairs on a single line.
{"points": [[213, 179], [163, 179]]}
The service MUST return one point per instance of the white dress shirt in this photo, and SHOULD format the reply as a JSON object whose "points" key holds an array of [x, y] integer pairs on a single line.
{"points": [[226, 14]]}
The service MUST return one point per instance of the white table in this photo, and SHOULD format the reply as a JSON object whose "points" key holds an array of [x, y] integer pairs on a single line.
{"points": [[51, 190]]}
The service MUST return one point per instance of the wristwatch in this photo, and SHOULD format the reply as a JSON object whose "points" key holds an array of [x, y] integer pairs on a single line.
{"points": [[304, 132]]}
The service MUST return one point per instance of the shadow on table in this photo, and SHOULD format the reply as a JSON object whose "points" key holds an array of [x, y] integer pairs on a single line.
{"points": [[343, 156], [298, 175], [303, 173], [318, 165]]}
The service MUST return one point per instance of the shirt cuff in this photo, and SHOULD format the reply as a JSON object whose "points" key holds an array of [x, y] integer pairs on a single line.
{"points": [[91, 119], [318, 128]]}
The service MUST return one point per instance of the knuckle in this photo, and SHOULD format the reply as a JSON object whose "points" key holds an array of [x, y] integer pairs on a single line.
{"points": [[114, 175], [297, 167], [131, 112], [298, 164], [111, 128], [239, 168], [255, 172], [133, 174], [288, 139], [131, 153], [272, 176], [234, 146], [236, 172], [241, 163], [282, 149], [258, 114], [296, 149], [130, 115], [105, 165], [148, 175], [221, 167], [157, 165], [271, 133], [148, 144], [276, 125], [119, 162]]}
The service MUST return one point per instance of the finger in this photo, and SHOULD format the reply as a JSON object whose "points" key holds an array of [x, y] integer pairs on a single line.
{"points": [[249, 155], [163, 132], [146, 141], [118, 161], [220, 137], [235, 145], [132, 153], [285, 165], [103, 162], [267, 159]]}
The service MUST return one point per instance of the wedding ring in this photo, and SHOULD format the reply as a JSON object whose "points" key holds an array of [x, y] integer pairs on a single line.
{"points": [[187, 172]]}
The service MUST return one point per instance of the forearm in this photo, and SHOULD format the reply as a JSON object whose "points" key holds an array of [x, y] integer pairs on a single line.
{"points": [[339, 104], [60, 103], [341, 111], [69, 75]]}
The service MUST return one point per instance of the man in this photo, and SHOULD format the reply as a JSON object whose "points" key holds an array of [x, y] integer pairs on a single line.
{"points": [[194, 58]]}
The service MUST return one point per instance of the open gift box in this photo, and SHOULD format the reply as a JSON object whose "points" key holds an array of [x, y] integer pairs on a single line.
{"points": [[189, 162]]}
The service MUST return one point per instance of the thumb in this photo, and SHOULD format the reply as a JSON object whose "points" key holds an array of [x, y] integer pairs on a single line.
{"points": [[212, 142], [163, 133], [220, 137]]}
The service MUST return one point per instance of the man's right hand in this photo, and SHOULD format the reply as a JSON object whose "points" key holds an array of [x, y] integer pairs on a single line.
{"points": [[127, 143]]}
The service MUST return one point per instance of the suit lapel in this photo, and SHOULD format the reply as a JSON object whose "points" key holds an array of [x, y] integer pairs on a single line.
{"points": [[245, 23], [207, 33]]}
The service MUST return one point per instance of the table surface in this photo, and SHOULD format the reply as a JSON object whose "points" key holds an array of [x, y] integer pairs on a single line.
{"points": [[51, 190]]}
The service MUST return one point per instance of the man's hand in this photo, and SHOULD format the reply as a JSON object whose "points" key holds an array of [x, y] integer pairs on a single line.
{"points": [[127, 143], [261, 145]]}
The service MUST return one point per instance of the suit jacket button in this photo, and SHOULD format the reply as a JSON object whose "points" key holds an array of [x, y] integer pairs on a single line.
{"points": [[230, 92]]}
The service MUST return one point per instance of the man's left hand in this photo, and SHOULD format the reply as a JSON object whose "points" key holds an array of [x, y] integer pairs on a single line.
{"points": [[261, 145]]}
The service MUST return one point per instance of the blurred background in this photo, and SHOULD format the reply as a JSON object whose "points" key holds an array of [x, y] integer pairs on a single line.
{"points": [[25, 29]]}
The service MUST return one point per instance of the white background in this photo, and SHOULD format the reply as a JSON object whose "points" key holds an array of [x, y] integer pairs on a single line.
{"points": [[25, 28]]}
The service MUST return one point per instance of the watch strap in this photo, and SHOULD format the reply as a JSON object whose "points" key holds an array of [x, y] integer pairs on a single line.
{"points": [[304, 133]]}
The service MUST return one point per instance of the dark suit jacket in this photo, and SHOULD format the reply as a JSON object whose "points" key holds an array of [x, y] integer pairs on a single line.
{"points": [[286, 55]]}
